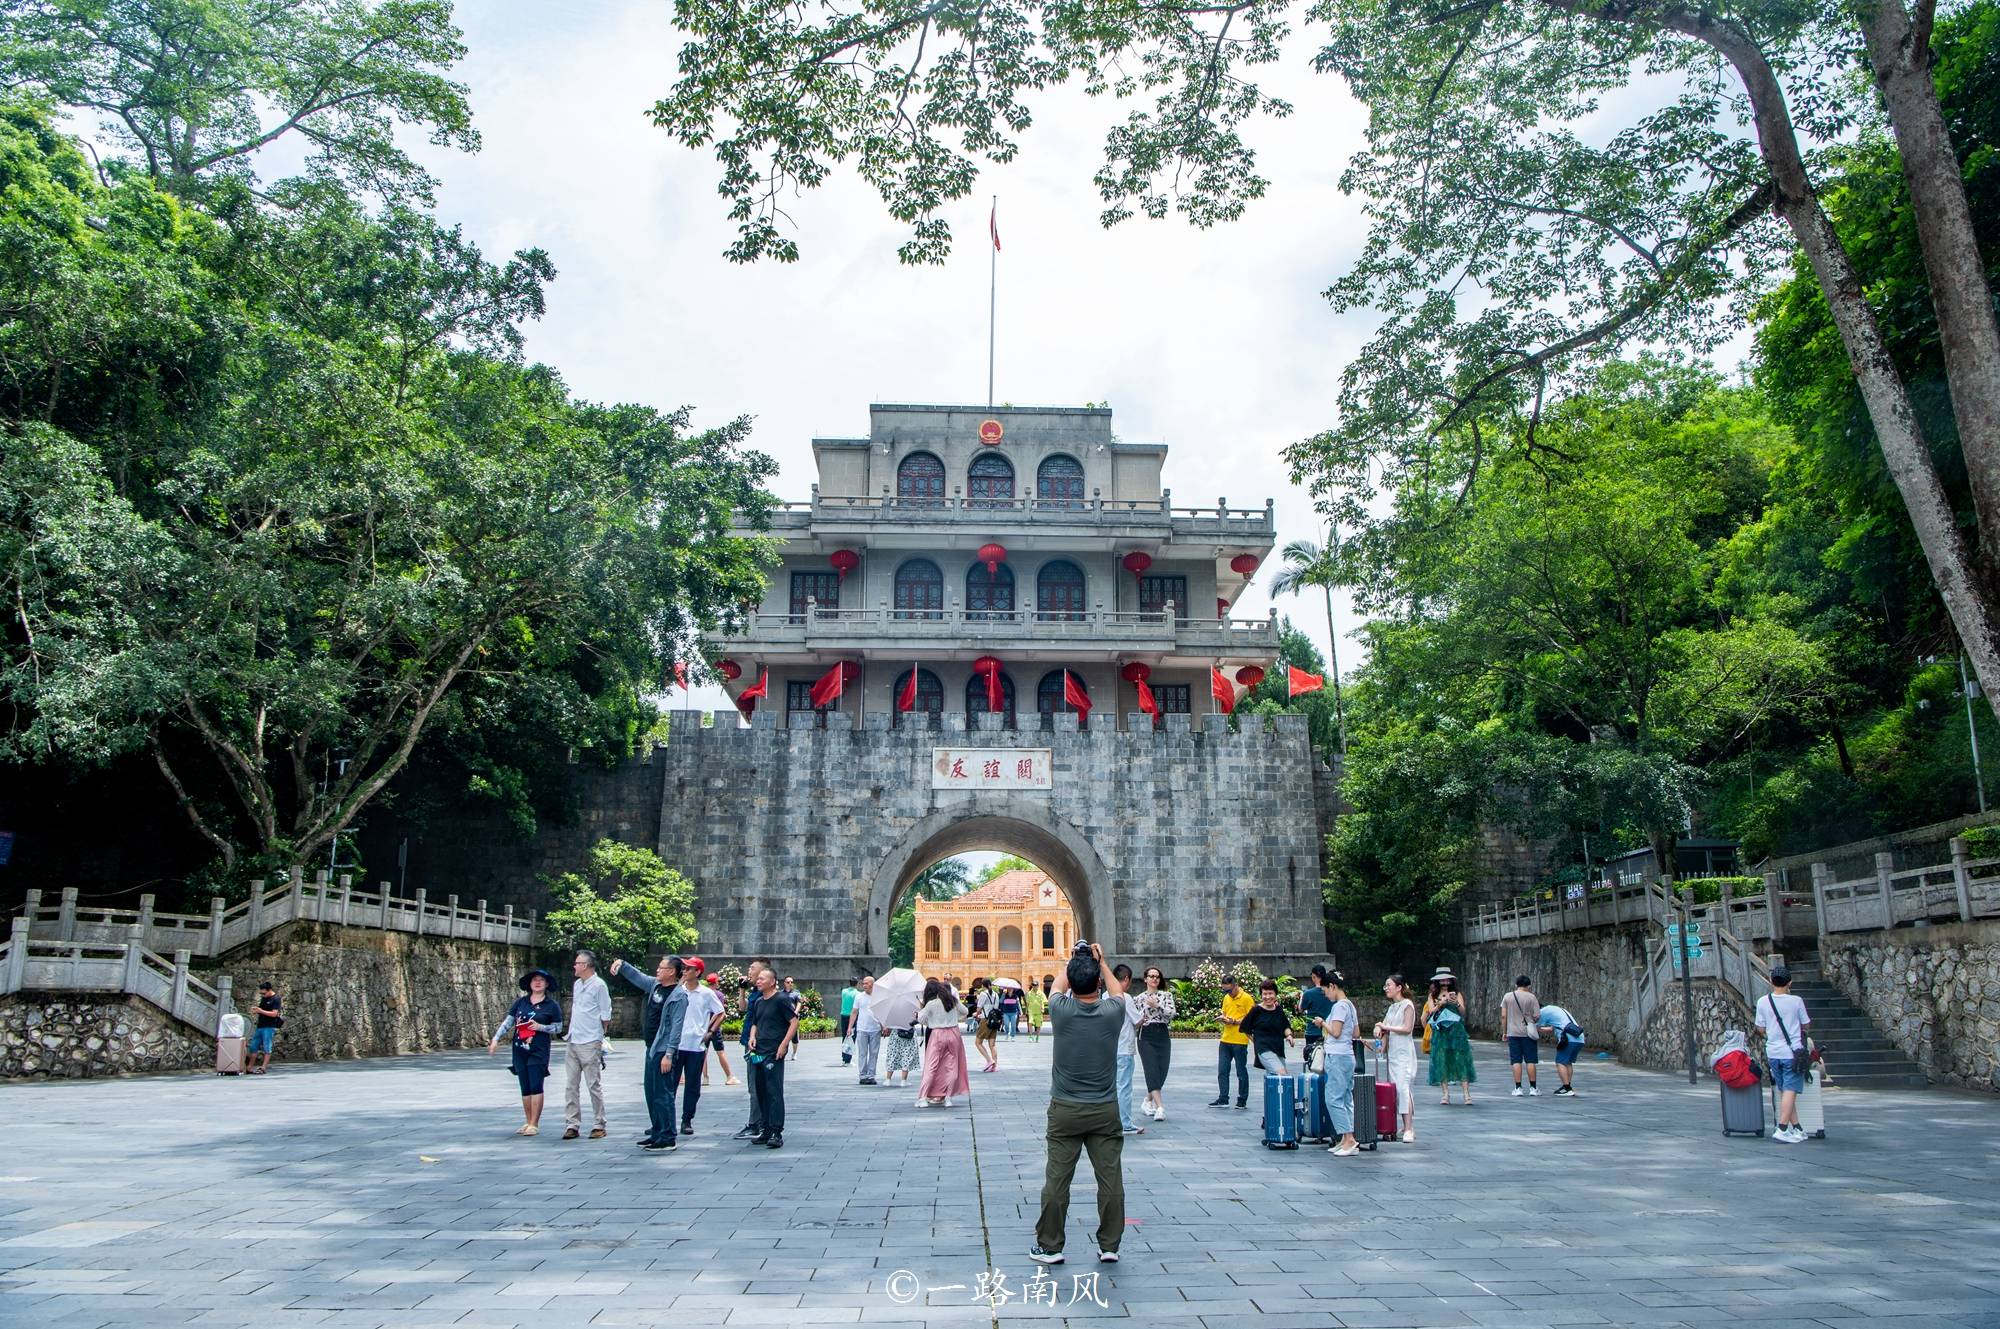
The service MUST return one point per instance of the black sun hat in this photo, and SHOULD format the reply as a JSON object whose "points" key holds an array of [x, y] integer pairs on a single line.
{"points": [[547, 978]]}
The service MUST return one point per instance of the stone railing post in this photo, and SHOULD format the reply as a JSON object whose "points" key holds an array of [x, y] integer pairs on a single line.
{"points": [[66, 915], [1821, 923], [508, 938], [1884, 865], [422, 893], [1536, 900], [145, 913], [215, 911], [177, 1006], [17, 957], [31, 903], [451, 916], [225, 999], [1772, 909], [531, 927], [1961, 878], [481, 924], [346, 883], [135, 957], [346, 899], [321, 881], [1722, 909], [256, 908], [382, 907]]}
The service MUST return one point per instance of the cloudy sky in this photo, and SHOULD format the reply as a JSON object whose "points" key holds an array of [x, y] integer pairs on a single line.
{"points": [[1216, 343]]}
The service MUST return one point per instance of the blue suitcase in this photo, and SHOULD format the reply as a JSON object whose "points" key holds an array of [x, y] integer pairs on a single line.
{"points": [[1281, 1112], [1319, 1122]]}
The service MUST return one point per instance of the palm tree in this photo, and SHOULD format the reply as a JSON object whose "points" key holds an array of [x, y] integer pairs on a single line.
{"points": [[1308, 564]]}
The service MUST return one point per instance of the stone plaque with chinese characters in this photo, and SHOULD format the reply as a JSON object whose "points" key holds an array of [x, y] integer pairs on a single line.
{"points": [[991, 768]]}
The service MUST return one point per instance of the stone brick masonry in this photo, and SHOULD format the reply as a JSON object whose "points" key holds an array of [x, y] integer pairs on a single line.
{"points": [[1935, 992], [80, 1034]]}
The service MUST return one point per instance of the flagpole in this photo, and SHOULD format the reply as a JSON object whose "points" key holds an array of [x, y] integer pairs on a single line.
{"points": [[992, 303]]}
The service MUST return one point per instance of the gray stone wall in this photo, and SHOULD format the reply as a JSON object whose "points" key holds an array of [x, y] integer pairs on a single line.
{"points": [[72, 1035], [1934, 991], [357, 992], [1660, 1044]]}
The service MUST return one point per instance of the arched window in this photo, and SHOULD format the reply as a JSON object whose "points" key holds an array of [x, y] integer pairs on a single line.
{"points": [[1010, 941], [1059, 592], [957, 940], [989, 595], [919, 590], [975, 697], [1059, 482], [920, 481], [932, 940], [1049, 693], [979, 941], [989, 481], [930, 695], [1048, 937]]}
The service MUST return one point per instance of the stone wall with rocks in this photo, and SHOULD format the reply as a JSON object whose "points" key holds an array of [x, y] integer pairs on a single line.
{"points": [[72, 1035], [359, 992], [1661, 1044], [1933, 991]]}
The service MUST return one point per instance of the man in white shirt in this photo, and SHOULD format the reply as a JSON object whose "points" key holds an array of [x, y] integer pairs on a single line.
{"points": [[1128, 1053], [698, 1026], [583, 1053], [867, 1029], [1783, 1019]]}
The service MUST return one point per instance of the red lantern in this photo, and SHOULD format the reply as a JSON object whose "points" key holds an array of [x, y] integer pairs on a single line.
{"points": [[985, 664], [1136, 672], [1250, 675], [844, 561], [996, 696], [1244, 564], [992, 556], [729, 669], [1221, 607], [1136, 562]]}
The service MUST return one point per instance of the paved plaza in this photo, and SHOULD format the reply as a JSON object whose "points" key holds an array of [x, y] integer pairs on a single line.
{"points": [[391, 1193]]}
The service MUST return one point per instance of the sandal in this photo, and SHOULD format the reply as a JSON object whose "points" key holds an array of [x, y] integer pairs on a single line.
{"points": [[731, 1080], [529, 1130]]}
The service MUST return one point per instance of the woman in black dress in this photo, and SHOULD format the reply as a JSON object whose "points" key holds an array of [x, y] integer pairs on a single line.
{"points": [[530, 1022]]}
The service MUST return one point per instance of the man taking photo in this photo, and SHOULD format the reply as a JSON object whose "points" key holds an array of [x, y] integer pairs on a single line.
{"points": [[1087, 1011]]}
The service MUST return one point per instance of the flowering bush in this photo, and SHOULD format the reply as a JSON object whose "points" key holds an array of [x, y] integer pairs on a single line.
{"points": [[729, 984]]}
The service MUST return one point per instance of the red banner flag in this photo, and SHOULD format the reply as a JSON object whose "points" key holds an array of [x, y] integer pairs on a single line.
{"points": [[746, 700], [996, 697], [827, 691], [1223, 690], [993, 225], [1147, 705], [906, 699], [1075, 696], [680, 675], [1298, 680]]}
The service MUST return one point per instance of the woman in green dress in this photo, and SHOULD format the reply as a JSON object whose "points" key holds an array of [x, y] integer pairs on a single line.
{"points": [[1451, 1046]]}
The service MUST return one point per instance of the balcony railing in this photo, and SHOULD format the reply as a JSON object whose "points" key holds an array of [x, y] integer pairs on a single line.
{"points": [[1149, 629], [1096, 511]]}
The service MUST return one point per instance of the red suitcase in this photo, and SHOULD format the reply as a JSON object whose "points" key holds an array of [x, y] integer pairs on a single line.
{"points": [[1385, 1111]]}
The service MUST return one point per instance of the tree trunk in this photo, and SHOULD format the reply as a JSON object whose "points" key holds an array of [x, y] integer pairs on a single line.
{"points": [[1904, 449], [1900, 54]]}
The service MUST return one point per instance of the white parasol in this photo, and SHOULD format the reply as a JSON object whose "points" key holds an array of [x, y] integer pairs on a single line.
{"points": [[1006, 983], [896, 997]]}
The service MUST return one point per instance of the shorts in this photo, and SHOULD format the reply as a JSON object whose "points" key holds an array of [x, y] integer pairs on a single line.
{"points": [[261, 1040], [531, 1072], [1568, 1050], [1523, 1051], [715, 1040], [1786, 1076]]}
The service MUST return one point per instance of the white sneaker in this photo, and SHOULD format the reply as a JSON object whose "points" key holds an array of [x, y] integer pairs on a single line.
{"points": [[1518, 1091], [1534, 1092], [1160, 1113], [1790, 1135]]}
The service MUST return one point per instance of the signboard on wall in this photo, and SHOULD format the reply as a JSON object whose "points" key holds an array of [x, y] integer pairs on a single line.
{"points": [[992, 768]]}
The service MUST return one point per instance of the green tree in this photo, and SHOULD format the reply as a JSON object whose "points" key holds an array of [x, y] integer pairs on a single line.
{"points": [[1004, 863], [1520, 235], [627, 903], [941, 881], [278, 494], [194, 88]]}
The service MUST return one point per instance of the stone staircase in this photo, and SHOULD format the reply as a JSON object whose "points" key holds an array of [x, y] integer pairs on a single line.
{"points": [[1858, 1055]]}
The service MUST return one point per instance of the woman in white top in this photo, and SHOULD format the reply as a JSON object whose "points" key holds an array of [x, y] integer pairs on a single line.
{"points": [[944, 1047], [1396, 1041], [1340, 1024]]}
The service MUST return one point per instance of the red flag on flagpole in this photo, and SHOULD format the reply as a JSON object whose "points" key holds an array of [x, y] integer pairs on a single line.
{"points": [[1147, 705], [1223, 690], [1076, 697], [1298, 680], [746, 700], [996, 698], [830, 685], [906, 700], [681, 675], [993, 225]]}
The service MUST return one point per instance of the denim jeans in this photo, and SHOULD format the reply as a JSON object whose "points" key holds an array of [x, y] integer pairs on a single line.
{"points": [[1237, 1055], [1340, 1094], [1011, 1021], [1125, 1090], [1271, 1063]]}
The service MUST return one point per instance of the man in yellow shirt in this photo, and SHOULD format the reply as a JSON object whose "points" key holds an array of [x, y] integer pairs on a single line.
{"points": [[1235, 1049]]}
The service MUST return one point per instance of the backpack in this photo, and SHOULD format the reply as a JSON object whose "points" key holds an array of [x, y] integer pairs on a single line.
{"points": [[1736, 1070]]}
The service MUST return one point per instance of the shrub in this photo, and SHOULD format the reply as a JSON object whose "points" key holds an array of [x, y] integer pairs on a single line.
{"points": [[815, 1025], [1708, 890], [627, 904], [1982, 842]]}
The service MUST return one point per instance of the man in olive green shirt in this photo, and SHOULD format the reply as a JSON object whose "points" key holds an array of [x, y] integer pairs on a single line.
{"points": [[1087, 1010]]}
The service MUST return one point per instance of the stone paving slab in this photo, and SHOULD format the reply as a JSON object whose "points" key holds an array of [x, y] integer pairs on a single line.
{"points": [[392, 1193]]}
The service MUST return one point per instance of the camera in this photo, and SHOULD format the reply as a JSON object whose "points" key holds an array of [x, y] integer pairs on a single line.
{"points": [[1081, 948]]}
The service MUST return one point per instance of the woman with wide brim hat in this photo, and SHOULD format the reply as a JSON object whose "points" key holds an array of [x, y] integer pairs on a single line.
{"points": [[1451, 1045], [530, 1023]]}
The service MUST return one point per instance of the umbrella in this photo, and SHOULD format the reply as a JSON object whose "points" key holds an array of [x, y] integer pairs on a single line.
{"points": [[896, 997], [1006, 983]]}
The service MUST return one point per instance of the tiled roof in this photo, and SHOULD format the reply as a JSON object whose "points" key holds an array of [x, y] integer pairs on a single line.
{"points": [[1016, 887]]}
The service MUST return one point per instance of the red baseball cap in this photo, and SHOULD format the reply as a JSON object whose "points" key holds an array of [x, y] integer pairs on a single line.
{"points": [[711, 978], [694, 962]]}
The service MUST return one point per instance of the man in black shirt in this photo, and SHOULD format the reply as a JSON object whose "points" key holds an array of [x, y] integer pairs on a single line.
{"points": [[269, 1021], [774, 1025]]}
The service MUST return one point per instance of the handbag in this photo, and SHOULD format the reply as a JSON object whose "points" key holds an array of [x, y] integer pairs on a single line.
{"points": [[1316, 1058]]}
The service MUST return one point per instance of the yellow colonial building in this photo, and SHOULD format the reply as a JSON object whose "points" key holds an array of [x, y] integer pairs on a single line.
{"points": [[1017, 926]]}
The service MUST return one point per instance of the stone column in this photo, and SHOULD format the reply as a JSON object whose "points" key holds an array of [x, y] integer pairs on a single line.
{"points": [[1961, 878]]}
